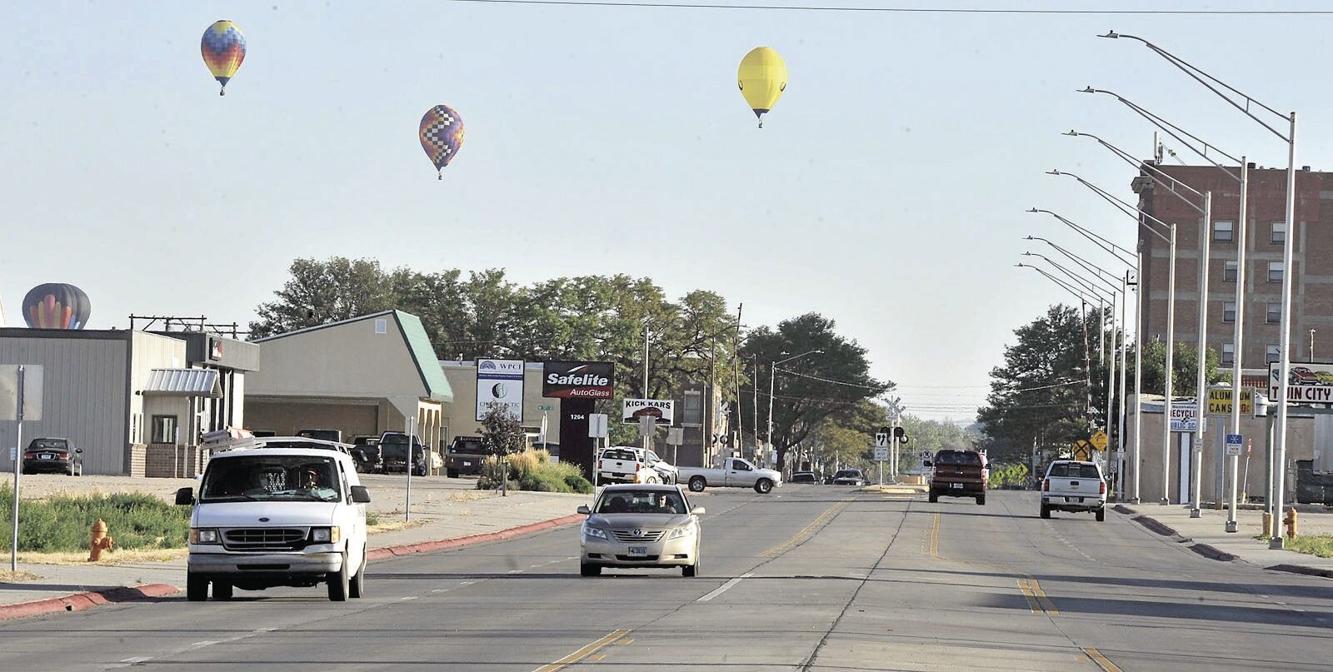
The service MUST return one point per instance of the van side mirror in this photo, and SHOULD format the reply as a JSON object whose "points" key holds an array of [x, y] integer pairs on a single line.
{"points": [[360, 495], [583, 509], [185, 497]]}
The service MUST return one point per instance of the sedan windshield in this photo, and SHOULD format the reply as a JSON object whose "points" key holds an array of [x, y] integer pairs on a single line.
{"points": [[642, 501], [271, 478]]}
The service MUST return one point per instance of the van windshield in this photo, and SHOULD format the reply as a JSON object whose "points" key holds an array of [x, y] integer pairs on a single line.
{"points": [[265, 478]]}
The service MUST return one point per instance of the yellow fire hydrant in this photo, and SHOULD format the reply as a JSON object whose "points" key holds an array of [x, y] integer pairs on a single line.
{"points": [[1290, 522], [98, 541]]}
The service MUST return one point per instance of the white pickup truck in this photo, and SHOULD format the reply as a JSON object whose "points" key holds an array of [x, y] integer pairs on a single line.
{"points": [[735, 473], [1073, 486], [624, 464]]}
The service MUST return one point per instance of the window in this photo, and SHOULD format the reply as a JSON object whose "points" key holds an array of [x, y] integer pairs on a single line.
{"points": [[1229, 272], [1272, 353], [1229, 312], [381, 326], [740, 465], [1222, 231], [1275, 271], [164, 429], [1278, 234], [1228, 353], [1274, 313]]}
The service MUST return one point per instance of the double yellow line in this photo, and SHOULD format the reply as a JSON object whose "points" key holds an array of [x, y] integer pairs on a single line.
{"points": [[935, 539], [1101, 660], [1038, 602], [586, 651], [806, 532]]}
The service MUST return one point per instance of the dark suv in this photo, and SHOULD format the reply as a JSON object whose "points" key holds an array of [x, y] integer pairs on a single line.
{"points": [[464, 456], [366, 453], [393, 454], [53, 454], [958, 473]]}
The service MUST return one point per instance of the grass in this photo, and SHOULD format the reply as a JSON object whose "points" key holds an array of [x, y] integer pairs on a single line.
{"points": [[61, 524], [20, 576], [533, 470], [114, 558], [1313, 544]]}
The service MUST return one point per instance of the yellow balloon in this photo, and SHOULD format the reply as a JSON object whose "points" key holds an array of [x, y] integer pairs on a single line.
{"points": [[763, 78]]}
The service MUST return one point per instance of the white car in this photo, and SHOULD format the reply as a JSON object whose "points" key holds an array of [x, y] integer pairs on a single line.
{"points": [[640, 526], [735, 473], [269, 517], [1073, 486]]}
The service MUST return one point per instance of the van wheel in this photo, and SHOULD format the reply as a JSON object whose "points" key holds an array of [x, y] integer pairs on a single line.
{"points": [[763, 486], [339, 583], [196, 587], [1101, 515], [590, 570], [222, 590], [357, 585], [697, 484]]}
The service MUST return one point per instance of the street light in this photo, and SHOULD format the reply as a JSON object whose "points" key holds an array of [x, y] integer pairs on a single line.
{"points": [[772, 375], [1140, 216], [1096, 291], [1284, 355]]}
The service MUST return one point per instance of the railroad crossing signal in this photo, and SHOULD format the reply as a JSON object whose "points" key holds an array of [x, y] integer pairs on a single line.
{"points": [[1082, 450], [1099, 440]]}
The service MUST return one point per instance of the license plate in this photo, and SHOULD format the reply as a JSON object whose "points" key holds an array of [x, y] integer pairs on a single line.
{"points": [[467, 463], [956, 486], [638, 551], [45, 456]]}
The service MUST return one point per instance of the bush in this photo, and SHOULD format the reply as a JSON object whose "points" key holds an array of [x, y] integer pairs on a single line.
{"points": [[1014, 475], [533, 470], [63, 523]]}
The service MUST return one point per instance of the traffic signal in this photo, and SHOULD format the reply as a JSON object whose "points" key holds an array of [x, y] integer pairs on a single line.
{"points": [[900, 435]]}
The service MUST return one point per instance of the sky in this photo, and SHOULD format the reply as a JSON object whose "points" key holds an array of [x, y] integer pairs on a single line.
{"points": [[886, 190]]}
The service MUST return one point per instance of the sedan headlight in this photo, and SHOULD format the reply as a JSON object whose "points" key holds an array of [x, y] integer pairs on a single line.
{"points": [[594, 533], [203, 536], [325, 535], [682, 531]]}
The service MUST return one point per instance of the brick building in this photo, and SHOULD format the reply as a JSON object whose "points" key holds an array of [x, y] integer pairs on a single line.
{"points": [[1312, 298]]}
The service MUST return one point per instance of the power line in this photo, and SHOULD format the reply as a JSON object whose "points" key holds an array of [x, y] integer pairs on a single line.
{"points": [[644, 4], [829, 380]]}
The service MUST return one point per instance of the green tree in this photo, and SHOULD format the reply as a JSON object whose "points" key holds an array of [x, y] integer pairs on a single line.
{"points": [[320, 292], [1184, 364], [501, 432]]}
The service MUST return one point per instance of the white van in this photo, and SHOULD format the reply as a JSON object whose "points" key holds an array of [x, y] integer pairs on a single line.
{"points": [[277, 517]]}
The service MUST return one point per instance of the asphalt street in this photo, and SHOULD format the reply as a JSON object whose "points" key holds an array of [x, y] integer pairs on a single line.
{"points": [[807, 578]]}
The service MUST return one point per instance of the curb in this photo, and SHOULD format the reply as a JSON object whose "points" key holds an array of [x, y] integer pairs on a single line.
{"points": [[472, 539], [87, 600], [1121, 508], [1212, 553], [1156, 526], [1299, 569]]}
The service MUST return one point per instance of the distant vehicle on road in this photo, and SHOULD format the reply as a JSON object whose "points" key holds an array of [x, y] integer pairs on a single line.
{"points": [[53, 454], [849, 477], [958, 473], [333, 435], [804, 477], [735, 473], [640, 526], [393, 454], [464, 456], [366, 451], [625, 464], [666, 472], [1073, 486], [279, 517]]}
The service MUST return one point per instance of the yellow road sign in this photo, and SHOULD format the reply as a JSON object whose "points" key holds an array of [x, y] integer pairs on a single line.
{"points": [[1082, 450], [1099, 440]]}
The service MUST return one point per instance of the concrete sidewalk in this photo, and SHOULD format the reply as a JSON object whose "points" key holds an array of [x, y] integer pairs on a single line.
{"points": [[438, 514], [1206, 536]]}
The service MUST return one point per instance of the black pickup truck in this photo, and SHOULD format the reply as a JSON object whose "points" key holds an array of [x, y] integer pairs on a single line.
{"points": [[464, 456], [393, 454]]}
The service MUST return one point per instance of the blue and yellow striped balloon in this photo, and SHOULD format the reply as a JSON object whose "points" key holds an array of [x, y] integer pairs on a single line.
{"points": [[223, 48]]}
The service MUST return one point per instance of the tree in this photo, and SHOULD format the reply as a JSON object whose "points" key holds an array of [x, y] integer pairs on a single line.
{"points": [[501, 433], [934, 435], [1184, 364], [814, 388], [320, 292]]}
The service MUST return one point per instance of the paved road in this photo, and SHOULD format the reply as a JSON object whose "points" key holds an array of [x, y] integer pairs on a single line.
{"points": [[811, 577]]}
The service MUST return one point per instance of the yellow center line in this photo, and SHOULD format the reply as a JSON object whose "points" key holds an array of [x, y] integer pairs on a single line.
{"points": [[1027, 595], [584, 652], [935, 539], [1101, 660], [1040, 594], [806, 532]]}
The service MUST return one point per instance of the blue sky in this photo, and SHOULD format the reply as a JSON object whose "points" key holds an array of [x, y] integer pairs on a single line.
{"points": [[886, 190]]}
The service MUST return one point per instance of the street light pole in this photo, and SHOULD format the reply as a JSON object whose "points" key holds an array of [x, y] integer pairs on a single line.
{"points": [[1205, 232], [772, 377], [1237, 336]]}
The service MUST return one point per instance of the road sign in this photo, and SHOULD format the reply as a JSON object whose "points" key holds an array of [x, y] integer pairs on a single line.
{"points": [[882, 453], [32, 392], [1234, 442], [545, 407], [1082, 450], [597, 425], [882, 440], [675, 436], [1099, 440], [1219, 401]]}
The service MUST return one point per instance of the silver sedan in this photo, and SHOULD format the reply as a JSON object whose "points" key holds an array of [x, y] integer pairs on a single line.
{"points": [[635, 525]]}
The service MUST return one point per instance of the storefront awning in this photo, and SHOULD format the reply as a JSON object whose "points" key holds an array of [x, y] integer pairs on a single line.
{"points": [[183, 383]]}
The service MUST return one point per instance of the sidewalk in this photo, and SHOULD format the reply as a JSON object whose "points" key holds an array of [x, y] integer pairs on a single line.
{"points": [[1205, 535], [440, 511]]}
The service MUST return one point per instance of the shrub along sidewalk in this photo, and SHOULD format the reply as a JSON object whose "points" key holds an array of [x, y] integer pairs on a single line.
{"points": [[533, 470], [61, 524]]}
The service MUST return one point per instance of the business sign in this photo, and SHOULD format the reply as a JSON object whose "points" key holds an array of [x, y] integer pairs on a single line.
{"points": [[1219, 401], [1307, 383], [500, 383], [1184, 415], [662, 411], [578, 380]]}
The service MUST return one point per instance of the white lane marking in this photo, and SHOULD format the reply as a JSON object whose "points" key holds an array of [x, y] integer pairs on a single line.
{"points": [[137, 659], [724, 587], [466, 583], [440, 590], [515, 571], [408, 598], [206, 642]]}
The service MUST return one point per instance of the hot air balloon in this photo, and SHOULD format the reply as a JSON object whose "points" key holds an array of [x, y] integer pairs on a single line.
{"points": [[223, 48], [441, 135], [763, 78], [56, 305]]}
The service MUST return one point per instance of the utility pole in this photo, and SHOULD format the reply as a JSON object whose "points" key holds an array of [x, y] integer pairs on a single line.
{"points": [[755, 388]]}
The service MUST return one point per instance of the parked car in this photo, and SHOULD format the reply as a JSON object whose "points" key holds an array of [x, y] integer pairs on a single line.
{"points": [[53, 454], [666, 472], [464, 456], [393, 454], [958, 473], [640, 526], [624, 464], [849, 477], [735, 473], [279, 517], [1073, 486], [804, 477], [333, 435], [366, 452]]}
